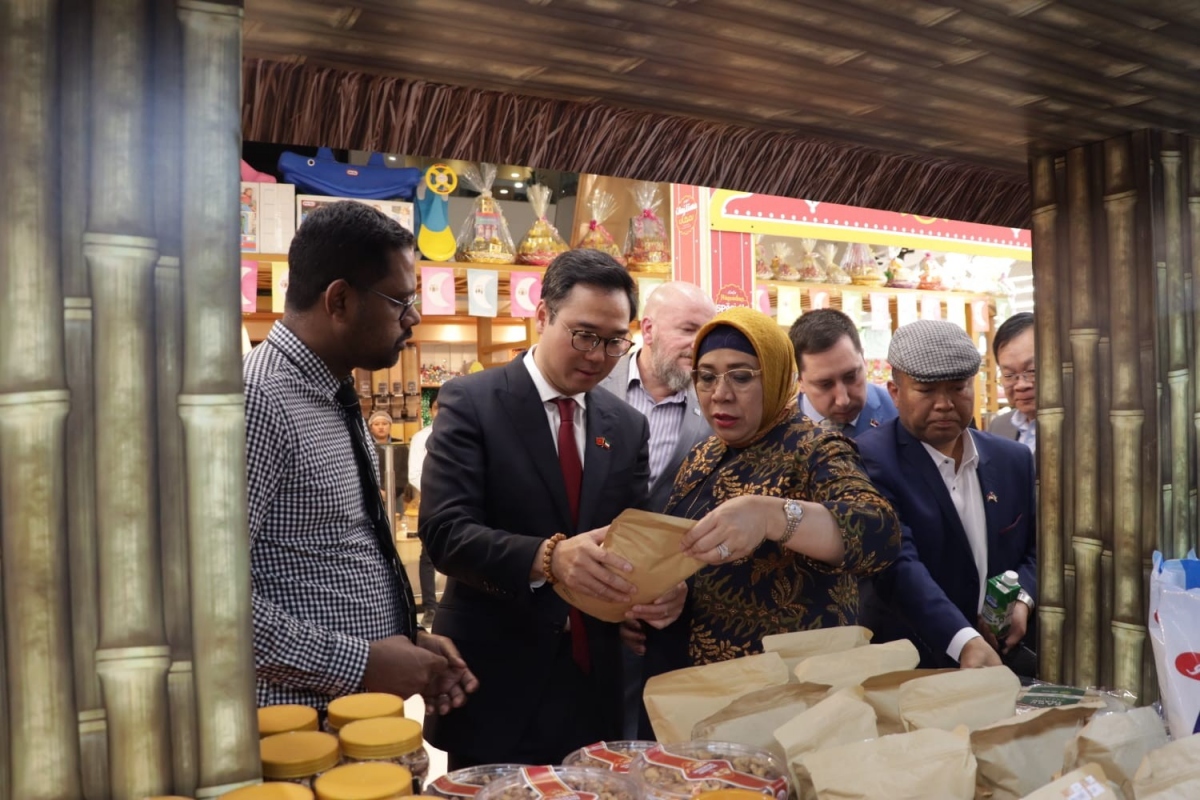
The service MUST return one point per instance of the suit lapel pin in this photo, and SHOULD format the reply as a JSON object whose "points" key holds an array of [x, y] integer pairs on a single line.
{"points": [[991, 497], [602, 442], [874, 423]]}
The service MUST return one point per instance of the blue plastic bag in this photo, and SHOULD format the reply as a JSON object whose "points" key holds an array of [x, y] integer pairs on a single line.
{"points": [[322, 174]]}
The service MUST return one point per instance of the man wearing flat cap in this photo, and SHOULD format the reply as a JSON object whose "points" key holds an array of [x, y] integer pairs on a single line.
{"points": [[965, 500]]}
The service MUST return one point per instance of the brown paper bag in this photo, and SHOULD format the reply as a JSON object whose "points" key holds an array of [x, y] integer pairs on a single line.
{"points": [[1087, 782], [841, 718], [1118, 743], [796, 646], [882, 693], [650, 542], [676, 701], [971, 697], [1018, 755], [922, 765], [752, 718], [852, 667], [1172, 772]]}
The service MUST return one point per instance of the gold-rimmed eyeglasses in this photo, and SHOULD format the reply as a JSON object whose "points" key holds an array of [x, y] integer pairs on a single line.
{"points": [[739, 380], [1029, 376]]}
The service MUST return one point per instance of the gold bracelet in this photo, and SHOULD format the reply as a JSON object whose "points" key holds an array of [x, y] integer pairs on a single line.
{"points": [[551, 543]]}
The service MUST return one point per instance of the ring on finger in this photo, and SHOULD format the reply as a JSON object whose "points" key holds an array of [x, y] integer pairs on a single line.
{"points": [[723, 551]]}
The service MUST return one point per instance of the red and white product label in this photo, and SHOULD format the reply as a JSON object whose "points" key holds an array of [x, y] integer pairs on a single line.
{"points": [[545, 783], [451, 788], [716, 770], [618, 762]]}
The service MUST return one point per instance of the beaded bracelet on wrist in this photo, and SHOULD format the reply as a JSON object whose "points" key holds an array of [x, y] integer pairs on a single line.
{"points": [[551, 543]]}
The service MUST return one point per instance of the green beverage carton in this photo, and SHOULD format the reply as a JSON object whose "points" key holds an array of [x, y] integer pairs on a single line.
{"points": [[1002, 592]]}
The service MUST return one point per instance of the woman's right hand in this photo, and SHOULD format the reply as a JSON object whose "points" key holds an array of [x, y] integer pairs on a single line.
{"points": [[733, 530]]}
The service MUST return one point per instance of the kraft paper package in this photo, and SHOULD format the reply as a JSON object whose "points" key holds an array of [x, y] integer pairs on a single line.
{"points": [[676, 701], [852, 667], [1172, 772], [752, 718], [971, 697], [650, 542], [796, 646], [842, 718], [921, 765], [882, 693], [1118, 743], [1019, 755], [1086, 783]]}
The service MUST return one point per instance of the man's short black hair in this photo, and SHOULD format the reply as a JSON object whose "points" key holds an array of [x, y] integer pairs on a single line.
{"points": [[347, 240], [819, 330], [589, 268], [1013, 327]]}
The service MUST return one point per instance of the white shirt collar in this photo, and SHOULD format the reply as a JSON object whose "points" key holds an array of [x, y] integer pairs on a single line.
{"points": [[970, 455], [1022, 422], [811, 412], [545, 391]]}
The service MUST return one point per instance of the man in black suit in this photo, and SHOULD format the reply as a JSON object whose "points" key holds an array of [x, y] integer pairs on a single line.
{"points": [[502, 481]]}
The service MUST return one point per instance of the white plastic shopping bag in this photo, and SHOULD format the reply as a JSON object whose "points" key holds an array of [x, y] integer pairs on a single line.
{"points": [[1175, 636]]}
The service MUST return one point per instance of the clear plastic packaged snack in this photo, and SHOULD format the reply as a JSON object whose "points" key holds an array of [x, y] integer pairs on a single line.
{"points": [[860, 265], [810, 271], [827, 258], [601, 205], [781, 262], [931, 274], [542, 242], [762, 267], [484, 237], [683, 771], [540, 783], [900, 275], [616, 756], [647, 248], [468, 782]]}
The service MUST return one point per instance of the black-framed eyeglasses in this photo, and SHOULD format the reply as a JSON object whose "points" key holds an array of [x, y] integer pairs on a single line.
{"points": [[737, 379], [404, 305], [1029, 376], [586, 342]]}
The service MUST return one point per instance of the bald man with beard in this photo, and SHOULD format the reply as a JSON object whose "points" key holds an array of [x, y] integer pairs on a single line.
{"points": [[656, 379]]}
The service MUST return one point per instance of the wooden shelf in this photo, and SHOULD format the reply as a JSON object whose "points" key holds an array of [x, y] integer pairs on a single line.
{"points": [[839, 288]]}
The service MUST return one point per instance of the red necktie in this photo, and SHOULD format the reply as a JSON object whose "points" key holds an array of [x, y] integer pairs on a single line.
{"points": [[572, 471]]}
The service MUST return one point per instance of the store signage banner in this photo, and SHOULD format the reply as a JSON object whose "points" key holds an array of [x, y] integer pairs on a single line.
{"points": [[732, 269], [482, 292], [881, 315], [931, 308], [437, 291], [797, 218], [787, 305], [525, 289], [279, 284], [688, 232], [249, 286]]}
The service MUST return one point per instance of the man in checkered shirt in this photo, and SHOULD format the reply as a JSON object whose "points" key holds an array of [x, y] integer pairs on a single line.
{"points": [[331, 611]]}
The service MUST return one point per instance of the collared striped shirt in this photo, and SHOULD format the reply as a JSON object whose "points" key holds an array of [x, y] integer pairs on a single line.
{"points": [[665, 418], [322, 590]]}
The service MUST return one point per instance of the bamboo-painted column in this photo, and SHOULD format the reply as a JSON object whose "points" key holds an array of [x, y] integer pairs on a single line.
{"points": [[75, 88], [1176, 519], [1051, 414], [1127, 415], [172, 472], [41, 759], [133, 656], [1193, 227], [212, 404]]}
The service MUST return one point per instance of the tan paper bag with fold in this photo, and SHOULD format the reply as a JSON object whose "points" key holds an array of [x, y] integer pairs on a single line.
{"points": [[922, 765], [971, 697], [796, 646], [676, 701], [841, 718], [752, 718], [1088, 782], [852, 667], [1118, 743], [1172, 772], [1019, 755], [882, 693], [650, 542]]}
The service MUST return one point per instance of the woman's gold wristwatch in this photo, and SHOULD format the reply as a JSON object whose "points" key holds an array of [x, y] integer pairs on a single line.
{"points": [[794, 513]]}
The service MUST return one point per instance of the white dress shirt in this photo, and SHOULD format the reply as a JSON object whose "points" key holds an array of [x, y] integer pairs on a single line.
{"points": [[817, 417], [1026, 430], [664, 417], [417, 447], [967, 496]]}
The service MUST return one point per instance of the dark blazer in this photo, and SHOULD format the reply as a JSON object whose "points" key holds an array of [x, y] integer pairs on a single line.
{"points": [[879, 409], [1002, 426], [932, 590], [491, 492], [693, 430]]}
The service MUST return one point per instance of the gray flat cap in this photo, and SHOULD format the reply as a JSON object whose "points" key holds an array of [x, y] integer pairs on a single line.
{"points": [[932, 350]]}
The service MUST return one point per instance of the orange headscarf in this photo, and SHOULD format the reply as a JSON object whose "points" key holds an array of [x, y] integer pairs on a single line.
{"points": [[776, 358]]}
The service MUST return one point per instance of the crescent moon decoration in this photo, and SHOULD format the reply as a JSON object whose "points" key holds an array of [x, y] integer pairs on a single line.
{"points": [[480, 289], [521, 292]]}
